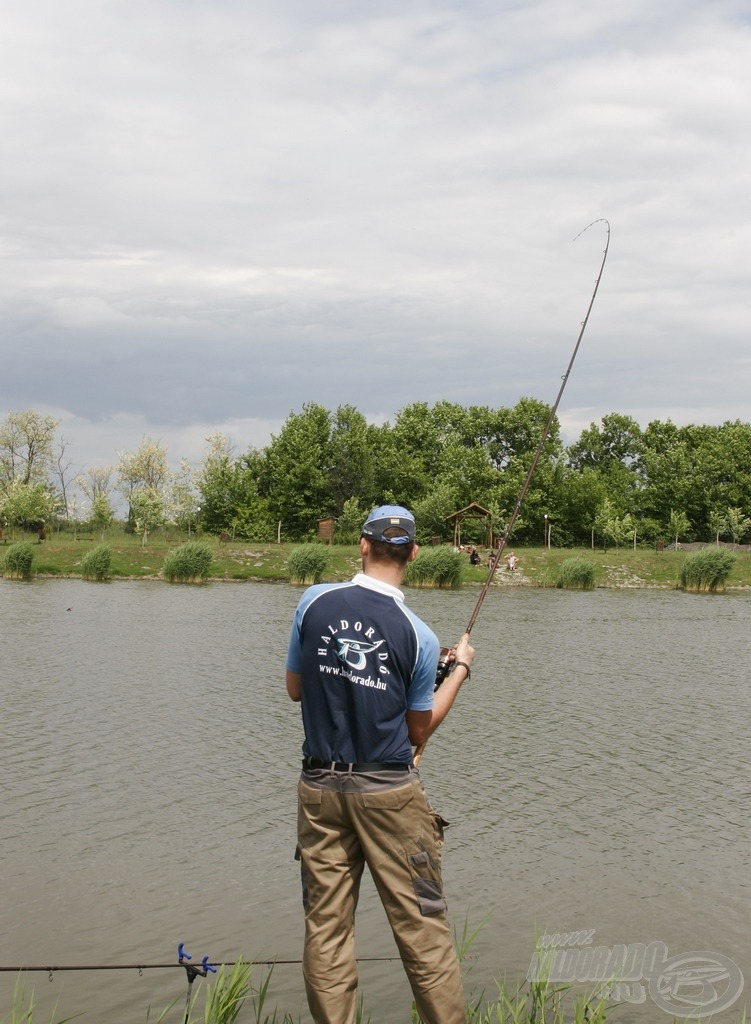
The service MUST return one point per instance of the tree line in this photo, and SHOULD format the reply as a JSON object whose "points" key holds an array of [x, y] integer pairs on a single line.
{"points": [[618, 483]]}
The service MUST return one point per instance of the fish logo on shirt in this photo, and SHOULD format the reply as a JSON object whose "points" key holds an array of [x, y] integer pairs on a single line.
{"points": [[352, 652]]}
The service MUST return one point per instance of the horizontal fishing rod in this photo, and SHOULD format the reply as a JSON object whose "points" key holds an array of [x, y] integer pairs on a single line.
{"points": [[445, 664], [156, 967]]}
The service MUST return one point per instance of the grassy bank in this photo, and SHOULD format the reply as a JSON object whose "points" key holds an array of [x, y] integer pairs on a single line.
{"points": [[61, 555]]}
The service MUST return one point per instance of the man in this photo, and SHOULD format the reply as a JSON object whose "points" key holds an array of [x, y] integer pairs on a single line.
{"points": [[364, 667]]}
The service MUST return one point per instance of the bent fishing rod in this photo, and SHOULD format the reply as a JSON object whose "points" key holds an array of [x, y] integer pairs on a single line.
{"points": [[444, 665]]}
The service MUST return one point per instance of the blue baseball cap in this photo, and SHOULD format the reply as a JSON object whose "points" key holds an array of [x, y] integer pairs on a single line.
{"points": [[391, 523]]}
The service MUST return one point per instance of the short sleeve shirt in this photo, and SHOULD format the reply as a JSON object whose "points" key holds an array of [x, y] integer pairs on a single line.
{"points": [[365, 659]]}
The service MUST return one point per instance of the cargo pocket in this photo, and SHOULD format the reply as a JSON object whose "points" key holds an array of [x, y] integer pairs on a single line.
{"points": [[426, 881], [303, 879]]}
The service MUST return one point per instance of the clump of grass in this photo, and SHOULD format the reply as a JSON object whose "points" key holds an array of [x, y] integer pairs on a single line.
{"points": [[22, 1010], [308, 564], [435, 567], [18, 561], [95, 564], [189, 563], [706, 570], [226, 995], [576, 574]]}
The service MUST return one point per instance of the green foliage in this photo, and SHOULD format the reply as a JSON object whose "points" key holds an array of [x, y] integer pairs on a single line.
{"points": [[439, 567], [678, 524], [307, 564], [22, 1009], [706, 570], [576, 574], [102, 513], [349, 523], [737, 523], [26, 504], [147, 511], [431, 514], [18, 561], [226, 994], [190, 563], [95, 564], [293, 478]]}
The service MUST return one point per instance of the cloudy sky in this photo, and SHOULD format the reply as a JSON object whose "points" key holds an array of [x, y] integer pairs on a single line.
{"points": [[214, 211]]}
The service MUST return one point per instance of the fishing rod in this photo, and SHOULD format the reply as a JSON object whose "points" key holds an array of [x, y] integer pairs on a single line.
{"points": [[444, 665], [54, 968]]}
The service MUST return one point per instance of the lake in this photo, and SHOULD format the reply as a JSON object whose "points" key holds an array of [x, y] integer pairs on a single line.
{"points": [[596, 773]]}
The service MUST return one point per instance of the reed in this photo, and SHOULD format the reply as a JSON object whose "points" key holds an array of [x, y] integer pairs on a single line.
{"points": [[308, 564], [439, 567], [19, 561], [706, 570], [95, 564], [22, 1010], [576, 574], [189, 563]]}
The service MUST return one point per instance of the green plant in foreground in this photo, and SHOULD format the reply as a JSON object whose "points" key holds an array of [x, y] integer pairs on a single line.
{"points": [[576, 574], [189, 563], [308, 564], [435, 567], [706, 570], [22, 1010], [18, 561], [95, 564]]}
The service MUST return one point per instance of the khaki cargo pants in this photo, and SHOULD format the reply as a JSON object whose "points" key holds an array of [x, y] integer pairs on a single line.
{"points": [[344, 822]]}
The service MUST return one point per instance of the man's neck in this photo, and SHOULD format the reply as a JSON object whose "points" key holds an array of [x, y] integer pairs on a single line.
{"points": [[386, 572]]}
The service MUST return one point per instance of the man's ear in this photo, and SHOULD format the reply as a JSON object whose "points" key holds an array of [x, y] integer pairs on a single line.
{"points": [[364, 547], [414, 553]]}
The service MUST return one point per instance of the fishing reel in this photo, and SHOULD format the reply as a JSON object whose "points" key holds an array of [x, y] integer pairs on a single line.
{"points": [[445, 666]]}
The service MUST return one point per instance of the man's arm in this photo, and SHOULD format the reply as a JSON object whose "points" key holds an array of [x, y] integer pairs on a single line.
{"points": [[294, 685], [422, 724]]}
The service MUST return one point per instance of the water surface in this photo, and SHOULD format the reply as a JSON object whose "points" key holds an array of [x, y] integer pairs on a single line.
{"points": [[595, 771]]}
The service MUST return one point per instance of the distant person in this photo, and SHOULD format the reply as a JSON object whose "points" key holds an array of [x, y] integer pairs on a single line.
{"points": [[512, 561], [474, 555]]}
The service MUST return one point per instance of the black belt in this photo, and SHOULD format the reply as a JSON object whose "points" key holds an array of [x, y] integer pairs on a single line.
{"points": [[367, 766]]}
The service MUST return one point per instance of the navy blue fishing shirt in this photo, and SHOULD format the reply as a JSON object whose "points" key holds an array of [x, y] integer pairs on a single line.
{"points": [[364, 659]]}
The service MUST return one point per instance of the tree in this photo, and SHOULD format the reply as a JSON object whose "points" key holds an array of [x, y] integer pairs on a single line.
{"points": [[26, 447], [293, 475], [605, 520], [351, 465], [26, 505], [678, 524], [612, 452], [145, 469], [718, 524], [96, 481], [102, 514], [349, 523], [147, 506], [737, 524], [182, 498], [60, 466]]}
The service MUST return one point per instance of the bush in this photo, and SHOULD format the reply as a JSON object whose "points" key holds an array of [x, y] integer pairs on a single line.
{"points": [[435, 567], [189, 563], [706, 570], [576, 574], [95, 564], [18, 561], [307, 564]]}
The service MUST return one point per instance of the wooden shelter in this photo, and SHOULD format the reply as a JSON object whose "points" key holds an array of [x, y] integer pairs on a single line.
{"points": [[326, 529], [473, 511]]}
